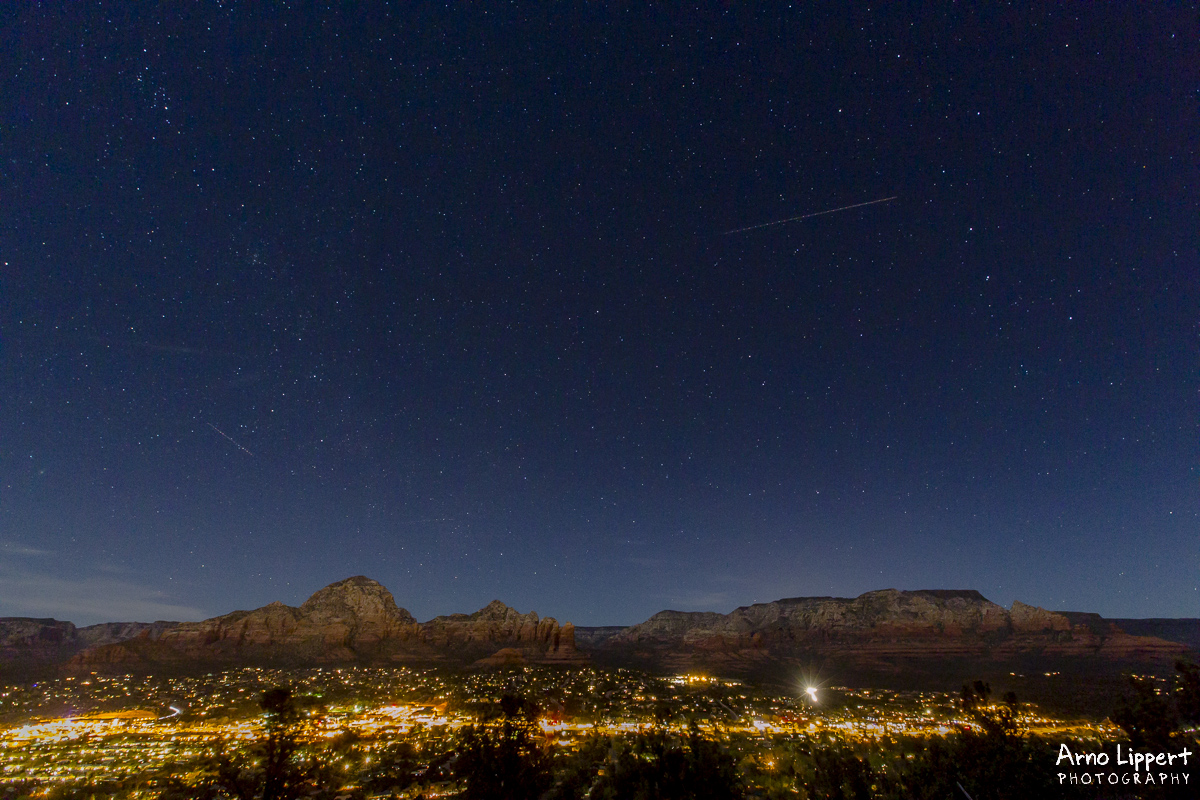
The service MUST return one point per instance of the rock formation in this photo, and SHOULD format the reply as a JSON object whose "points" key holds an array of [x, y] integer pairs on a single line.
{"points": [[496, 622], [886, 631], [28, 645], [357, 621], [345, 619], [352, 621], [1184, 631]]}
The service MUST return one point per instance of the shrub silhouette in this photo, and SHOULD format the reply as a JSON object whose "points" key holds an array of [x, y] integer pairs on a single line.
{"points": [[502, 764], [993, 760], [655, 769]]}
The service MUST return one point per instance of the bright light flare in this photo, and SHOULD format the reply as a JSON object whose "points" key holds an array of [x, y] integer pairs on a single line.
{"points": [[811, 691]]}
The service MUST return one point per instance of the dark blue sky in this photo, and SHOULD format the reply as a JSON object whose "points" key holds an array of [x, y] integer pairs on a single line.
{"points": [[442, 296]]}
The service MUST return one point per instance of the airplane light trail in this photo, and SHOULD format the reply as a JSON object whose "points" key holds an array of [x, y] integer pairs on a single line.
{"points": [[175, 712], [806, 216], [230, 438]]}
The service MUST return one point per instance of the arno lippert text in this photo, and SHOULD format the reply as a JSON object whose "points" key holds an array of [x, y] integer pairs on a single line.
{"points": [[1142, 768]]}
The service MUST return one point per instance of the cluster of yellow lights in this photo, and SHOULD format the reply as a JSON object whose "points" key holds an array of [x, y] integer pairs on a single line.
{"points": [[157, 739], [694, 680]]}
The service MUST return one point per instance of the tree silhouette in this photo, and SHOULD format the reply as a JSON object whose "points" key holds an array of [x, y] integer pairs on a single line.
{"points": [[1188, 694], [518, 707], [277, 773], [996, 720], [504, 764], [281, 779], [1152, 717], [992, 760], [839, 774], [1146, 715], [654, 768]]}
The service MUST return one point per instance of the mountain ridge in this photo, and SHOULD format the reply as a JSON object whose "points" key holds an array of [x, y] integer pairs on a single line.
{"points": [[357, 620], [886, 632]]}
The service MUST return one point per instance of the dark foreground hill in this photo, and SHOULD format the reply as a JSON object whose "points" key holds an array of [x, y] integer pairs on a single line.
{"points": [[889, 635]]}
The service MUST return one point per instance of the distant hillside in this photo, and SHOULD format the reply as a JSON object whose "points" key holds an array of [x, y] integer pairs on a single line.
{"points": [[903, 634], [590, 638], [1184, 631], [352, 621], [888, 635], [28, 644]]}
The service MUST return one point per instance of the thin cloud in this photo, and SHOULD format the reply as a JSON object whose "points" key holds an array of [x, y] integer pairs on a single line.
{"points": [[86, 601], [18, 549]]}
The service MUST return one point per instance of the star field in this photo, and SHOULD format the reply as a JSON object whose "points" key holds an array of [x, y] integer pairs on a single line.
{"points": [[443, 296]]}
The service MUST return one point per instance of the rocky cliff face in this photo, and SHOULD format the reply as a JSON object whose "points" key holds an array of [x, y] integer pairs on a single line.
{"points": [[883, 631], [1184, 631], [346, 618], [357, 621], [28, 644], [351, 621], [592, 638], [496, 622], [887, 613], [1031, 619]]}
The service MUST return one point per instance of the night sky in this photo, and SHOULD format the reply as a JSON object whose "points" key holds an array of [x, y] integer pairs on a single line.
{"points": [[443, 296]]}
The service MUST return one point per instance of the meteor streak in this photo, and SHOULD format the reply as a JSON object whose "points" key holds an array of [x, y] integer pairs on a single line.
{"points": [[806, 216], [230, 438]]}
